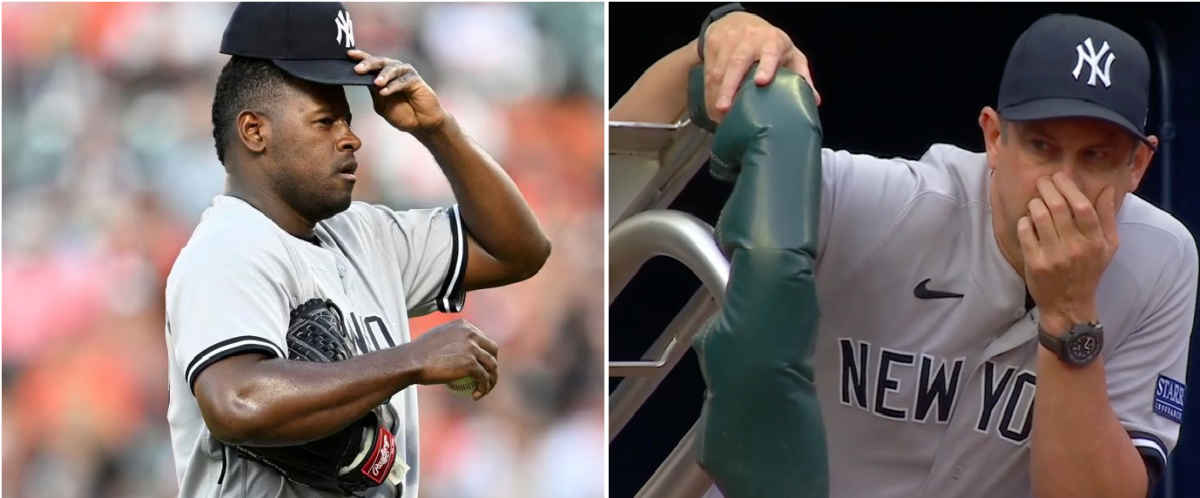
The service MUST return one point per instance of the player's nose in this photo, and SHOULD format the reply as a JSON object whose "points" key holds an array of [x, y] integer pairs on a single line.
{"points": [[1072, 170], [349, 142]]}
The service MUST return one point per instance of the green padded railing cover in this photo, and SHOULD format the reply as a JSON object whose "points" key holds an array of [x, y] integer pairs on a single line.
{"points": [[761, 433]]}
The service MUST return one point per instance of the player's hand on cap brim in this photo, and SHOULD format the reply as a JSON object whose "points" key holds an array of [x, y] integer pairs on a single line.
{"points": [[400, 95]]}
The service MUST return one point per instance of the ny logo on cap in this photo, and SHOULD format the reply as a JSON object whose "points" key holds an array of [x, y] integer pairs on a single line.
{"points": [[346, 26], [1093, 59]]}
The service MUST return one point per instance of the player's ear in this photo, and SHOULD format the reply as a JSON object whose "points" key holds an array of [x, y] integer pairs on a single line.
{"points": [[990, 125], [253, 130]]}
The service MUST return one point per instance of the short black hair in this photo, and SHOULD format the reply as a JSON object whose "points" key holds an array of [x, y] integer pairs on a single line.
{"points": [[244, 84]]}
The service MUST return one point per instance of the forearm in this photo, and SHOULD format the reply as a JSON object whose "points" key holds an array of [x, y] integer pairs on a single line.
{"points": [[283, 402], [660, 95], [492, 208], [1079, 448]]}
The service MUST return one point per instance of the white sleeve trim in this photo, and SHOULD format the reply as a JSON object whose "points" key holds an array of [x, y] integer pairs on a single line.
{"points": [[227, 348], [451, 297], [1144, 442]]}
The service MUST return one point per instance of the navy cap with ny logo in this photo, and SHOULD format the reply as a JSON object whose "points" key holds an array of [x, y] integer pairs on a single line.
{"points": [[1067, 66], [307, 40]]}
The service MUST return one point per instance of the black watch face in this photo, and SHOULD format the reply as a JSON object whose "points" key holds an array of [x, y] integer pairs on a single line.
{"points": [[1085, 347]]}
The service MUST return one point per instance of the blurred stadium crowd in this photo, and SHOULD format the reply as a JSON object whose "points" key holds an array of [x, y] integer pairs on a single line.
{"points": [[108, 162]]}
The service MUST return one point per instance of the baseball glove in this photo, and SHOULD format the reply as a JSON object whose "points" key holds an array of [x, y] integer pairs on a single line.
{"points": [[355, 459]]}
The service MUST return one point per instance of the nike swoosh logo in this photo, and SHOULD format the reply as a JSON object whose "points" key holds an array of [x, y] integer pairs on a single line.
{"points": [[923, 292]]}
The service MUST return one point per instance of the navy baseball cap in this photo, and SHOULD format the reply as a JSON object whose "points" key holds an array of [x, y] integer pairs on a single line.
{"points": [[307, 40], [1067, 66]]}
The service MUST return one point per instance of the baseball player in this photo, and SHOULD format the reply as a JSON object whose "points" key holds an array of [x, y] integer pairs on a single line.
{"points": [[957, 286], [291, 363]]}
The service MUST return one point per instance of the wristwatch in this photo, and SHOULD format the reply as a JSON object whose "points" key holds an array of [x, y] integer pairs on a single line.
{"points": [[1080, 346], [712, 17]]}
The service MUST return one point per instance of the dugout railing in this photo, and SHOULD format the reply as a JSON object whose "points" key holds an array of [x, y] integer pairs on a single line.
{"points": [[649, 165]]}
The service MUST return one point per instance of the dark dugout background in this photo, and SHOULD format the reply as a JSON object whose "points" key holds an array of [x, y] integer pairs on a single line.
{"points": [[894, 79]]}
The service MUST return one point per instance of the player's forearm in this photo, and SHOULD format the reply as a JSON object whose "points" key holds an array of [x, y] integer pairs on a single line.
{"points": [[492, 208], [281, 402], [1079, 448], [660, 95]]}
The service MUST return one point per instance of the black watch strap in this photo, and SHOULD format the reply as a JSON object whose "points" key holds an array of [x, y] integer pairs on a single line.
{"points": [[1054, 344], [712, 17]]}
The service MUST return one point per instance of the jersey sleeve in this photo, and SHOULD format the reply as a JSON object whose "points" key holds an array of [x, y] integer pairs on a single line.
{"points": [[1146, 373], [225, 303], [429, 246], [862, 198]]}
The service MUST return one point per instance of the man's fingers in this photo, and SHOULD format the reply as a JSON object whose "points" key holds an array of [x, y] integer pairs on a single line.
{"points": [[390, 72], [1060, 211], [1106, 213], [486, 385], [713, 73], [395, 79], [487, 360], [485, 357], [372, 63], [1043, 222], [489, 345], [716, 58], [1027, 237], [735, 71], [398, 86], [712, 54], [1085, 215], [366, 66], [495, 377], [491, 376], [768, 61], [483, 382]]}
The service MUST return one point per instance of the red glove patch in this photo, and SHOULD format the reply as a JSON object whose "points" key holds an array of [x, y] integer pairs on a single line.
{"points": [[380, 462]]}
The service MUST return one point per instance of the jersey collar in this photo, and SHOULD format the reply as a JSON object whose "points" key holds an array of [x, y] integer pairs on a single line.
{"points": [[994, 276]]}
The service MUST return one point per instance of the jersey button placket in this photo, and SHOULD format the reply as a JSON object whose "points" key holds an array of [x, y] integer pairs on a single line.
{"points": [[962, 422], [340, 262], [342, 274]]}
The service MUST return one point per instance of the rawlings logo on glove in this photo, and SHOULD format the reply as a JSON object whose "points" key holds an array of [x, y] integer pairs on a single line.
{"points": [[381, 461]]}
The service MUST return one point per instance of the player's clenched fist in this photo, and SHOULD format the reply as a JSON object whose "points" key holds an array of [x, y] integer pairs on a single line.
{"points": [[1067, 244], [400, 95], [455, 350], [735, 42]]}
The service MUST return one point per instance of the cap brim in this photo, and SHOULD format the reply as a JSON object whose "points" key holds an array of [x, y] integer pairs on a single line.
{"points": [[327, 71], [1036, 110]]}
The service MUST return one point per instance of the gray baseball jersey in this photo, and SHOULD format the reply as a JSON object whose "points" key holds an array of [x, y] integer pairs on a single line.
{"points": [[926, 363], [231, 291]]}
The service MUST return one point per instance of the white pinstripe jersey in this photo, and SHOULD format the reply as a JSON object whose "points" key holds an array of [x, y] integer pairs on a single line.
{"points": [[231, 291], [932, 397]]}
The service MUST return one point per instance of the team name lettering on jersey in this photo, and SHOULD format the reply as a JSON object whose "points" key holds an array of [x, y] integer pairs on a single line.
{"points": [[937, 389], [1014, 427], [368, 332], [1006, 402]]}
